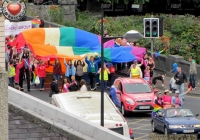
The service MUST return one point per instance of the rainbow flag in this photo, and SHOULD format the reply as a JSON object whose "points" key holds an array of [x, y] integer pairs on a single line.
{"points": [[36, 23], [156, 107]]}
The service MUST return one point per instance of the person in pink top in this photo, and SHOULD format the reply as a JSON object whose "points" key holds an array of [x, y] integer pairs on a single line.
{"points": [[65, 85], [17, 70], [41, 73], [167, 100], [147, 74]]}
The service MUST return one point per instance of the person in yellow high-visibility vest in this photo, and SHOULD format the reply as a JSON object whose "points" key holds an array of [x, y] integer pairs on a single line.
{"points": [[11, 74], [135, 71], [105, 75]]}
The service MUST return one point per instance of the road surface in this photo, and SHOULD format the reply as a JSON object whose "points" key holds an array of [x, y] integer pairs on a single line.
{"points": [[139, 122]]}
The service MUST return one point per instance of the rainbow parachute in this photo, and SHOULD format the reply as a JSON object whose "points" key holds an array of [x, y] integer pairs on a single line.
{"points": [[72, 43]]}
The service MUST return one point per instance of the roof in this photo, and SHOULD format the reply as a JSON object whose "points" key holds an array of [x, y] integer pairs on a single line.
{"points": [[88, 105], [20, 128], [132, 80]]}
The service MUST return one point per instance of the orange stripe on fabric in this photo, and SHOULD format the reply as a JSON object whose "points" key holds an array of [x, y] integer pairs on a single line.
{"points": [[34, 36], [44, 50]]}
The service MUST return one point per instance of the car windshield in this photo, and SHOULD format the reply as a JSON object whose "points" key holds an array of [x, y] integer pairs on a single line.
{"points": [[131, 88], [178, 112]]}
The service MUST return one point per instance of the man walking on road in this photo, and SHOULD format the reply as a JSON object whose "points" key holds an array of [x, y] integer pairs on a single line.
{"points": [[192, 72], [180, 77]]}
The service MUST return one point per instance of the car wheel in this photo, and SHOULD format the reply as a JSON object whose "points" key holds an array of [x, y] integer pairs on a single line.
{"points": [[123, 110], [165, 131], [153, 127]]}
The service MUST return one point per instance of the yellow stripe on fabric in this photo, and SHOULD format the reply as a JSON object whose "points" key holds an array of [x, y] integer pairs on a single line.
{"points": [[52, 36], [66, 50]]}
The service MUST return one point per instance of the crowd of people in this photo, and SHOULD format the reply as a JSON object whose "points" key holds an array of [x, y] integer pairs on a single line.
{"points": [[21, 64]]}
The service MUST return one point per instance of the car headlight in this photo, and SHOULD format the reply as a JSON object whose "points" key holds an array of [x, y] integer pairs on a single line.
{"points": [[129, 101], [174, 126], [197, 126]]}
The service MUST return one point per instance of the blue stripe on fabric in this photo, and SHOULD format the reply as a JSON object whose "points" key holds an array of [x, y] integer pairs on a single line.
{"points": [[122, 54], [88, 40]]}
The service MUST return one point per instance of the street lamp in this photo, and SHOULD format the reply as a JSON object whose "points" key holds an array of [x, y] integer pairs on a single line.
{"points": [[103, 6]]}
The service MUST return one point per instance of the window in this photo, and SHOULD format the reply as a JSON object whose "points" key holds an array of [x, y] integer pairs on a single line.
{"points": [[118, 130], [120, 86], [137, 88]]}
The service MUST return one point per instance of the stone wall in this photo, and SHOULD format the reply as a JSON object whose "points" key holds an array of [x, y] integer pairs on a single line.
{"points": [[2, 43], [165, 64], [68, 10], [3, 104]]}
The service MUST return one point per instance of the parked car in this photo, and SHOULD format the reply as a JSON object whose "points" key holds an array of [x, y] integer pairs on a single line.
{"points": [[175, 121], [132, 95]]}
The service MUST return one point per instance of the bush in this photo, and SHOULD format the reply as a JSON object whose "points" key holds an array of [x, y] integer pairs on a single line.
{"points": [[183, 31]]}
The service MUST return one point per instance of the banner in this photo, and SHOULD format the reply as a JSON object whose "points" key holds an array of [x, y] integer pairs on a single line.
{"points": [[14, 28]]}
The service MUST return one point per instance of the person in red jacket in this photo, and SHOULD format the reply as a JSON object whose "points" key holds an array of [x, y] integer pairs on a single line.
{"points": [[41, 73]]}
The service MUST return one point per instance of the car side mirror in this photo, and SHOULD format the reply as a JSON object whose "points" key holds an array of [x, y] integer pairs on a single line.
{"points": [[197, 115], [119, 92], [155, 90]]}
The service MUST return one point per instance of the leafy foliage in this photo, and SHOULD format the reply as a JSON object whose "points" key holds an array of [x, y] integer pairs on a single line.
{"points": [[183, 31]]}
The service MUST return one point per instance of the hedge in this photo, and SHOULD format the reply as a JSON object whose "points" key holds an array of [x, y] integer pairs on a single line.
{"points": [[183, 31]]}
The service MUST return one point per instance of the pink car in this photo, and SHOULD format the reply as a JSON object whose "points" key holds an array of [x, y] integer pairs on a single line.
{"points": [[132, 95]]}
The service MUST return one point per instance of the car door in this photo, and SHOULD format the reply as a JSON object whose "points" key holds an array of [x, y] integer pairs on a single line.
{"points": [[118, 93], [160, 120], [114, 93]]}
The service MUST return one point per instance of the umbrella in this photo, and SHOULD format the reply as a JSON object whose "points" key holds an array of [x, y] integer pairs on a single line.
{"points": [[133, 36]]}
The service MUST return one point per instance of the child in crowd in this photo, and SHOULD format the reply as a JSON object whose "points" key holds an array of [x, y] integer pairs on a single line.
{"points": [[160, 77], [65, 85], [11, 73], [83, 86], [147, 74]]}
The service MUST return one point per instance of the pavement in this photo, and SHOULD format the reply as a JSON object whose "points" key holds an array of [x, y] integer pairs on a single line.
{"points": [[139, 122], [21, 129]]}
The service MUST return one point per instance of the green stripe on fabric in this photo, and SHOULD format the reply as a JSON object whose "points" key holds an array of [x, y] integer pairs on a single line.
{"points": [[107, 54], [80, 50], [67, 36]]}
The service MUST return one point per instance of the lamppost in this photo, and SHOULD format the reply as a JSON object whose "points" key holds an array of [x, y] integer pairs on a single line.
{"points": [[103, 40]]}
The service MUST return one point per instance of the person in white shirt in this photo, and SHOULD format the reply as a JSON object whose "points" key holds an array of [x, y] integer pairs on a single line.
{"points": [[172, 84], [83, 86]]}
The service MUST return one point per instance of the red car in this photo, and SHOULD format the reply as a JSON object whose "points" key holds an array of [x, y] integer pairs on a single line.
{"points": [[132, 95]]}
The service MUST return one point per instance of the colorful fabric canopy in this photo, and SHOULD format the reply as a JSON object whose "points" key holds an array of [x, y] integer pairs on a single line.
{"points": [[72, 43]]}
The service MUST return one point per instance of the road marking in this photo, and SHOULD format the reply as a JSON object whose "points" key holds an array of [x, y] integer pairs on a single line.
{"points": [[192, 96], [39, 89], [139, 133], [137, 121], [142, 126], [139, 138]]}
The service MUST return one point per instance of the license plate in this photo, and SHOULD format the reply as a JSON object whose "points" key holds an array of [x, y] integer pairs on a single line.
{"points": [[188, 131], [144, 107]]}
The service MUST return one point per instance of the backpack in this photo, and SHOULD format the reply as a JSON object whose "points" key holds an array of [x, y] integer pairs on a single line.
{"points": [[112, 69]]}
